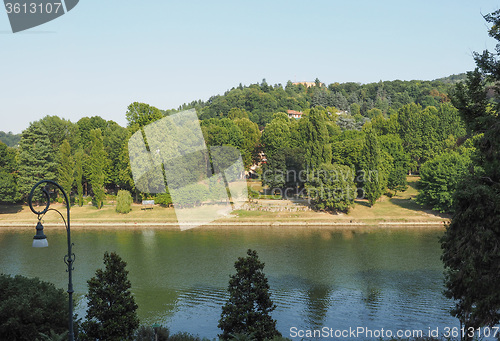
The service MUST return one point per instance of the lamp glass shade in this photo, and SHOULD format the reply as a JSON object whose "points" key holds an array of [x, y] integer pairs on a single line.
{"points": [[40, 242]]}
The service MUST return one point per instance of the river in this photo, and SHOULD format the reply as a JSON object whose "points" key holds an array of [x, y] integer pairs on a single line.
{"points": [[319, 277]]}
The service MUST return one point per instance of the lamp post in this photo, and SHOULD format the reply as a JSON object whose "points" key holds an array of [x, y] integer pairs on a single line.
{"points": [[40, 240]]}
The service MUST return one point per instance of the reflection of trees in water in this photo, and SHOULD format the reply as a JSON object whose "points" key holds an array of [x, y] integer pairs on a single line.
{"points": [[318, 303]]}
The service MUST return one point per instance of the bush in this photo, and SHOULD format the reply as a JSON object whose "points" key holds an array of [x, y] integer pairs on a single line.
{"points": [[123, 202], [29, 307], [163, 199], [185, 337], [147, 333]]}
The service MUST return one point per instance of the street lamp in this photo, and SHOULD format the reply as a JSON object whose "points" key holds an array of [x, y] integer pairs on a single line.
{"points": [[40, 240]]}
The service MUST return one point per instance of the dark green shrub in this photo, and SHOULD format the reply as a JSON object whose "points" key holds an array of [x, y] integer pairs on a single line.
{"points": [[163, 199], [147, 333], [183, 336], [29, 307]]}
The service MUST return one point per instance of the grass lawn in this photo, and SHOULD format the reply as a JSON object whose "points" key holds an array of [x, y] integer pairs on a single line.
{"points": [[400, 208]]}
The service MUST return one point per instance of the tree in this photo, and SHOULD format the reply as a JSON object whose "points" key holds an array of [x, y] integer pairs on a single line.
{"points": [[393, 146], [123, 201], [440, 178], [58, 129], [111, 310], [36, 158], [29, 306], [115, 142], [250, 141], [141, 114], [65, 169], [97, 166], [370, 167], [275, 172], [471, 243], [276, 135], [316, 139], [331, 187], [249, 307], [79, 176], [8, 168]]}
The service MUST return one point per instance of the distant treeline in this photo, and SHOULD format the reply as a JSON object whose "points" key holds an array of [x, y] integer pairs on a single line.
{"points": [[10, 139], [390, 128], [262, 100]]}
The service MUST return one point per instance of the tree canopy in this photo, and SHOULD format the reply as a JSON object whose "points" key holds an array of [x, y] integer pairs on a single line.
{"points": [[471, 243]]}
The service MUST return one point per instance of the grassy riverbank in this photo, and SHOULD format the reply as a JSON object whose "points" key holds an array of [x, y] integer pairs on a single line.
{"points": [[400, 209]]}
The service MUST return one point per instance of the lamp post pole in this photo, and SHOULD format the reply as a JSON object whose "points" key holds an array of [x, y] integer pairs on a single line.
{"points": [[70, 257]]}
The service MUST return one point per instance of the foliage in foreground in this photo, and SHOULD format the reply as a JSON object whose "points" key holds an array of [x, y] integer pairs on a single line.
{"points": [[471, 243], [248, 309], [147, 333], [29, 307], [111, 313]]}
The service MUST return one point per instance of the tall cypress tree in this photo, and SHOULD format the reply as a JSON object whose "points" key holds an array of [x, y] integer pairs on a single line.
{"points": [[36, 158], [317, 146], [65, 169], [370, 164], [111, 313], [248, 310], [79, 176], [97, 166]]}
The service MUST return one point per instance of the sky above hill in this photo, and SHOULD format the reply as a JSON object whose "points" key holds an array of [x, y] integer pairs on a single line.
{"points": [[104, 55]]}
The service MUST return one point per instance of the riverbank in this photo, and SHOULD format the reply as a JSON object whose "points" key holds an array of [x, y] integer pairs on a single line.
{"points": [[400, 210]]}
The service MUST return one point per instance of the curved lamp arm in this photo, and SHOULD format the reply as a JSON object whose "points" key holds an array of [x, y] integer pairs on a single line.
{"points": [[70, 257]]}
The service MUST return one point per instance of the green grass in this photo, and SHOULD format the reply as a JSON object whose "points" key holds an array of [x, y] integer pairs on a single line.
{"points": [[399, 208]]}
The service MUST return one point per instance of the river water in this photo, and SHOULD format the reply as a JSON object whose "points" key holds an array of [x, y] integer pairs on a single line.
{"points": [[374, 279]]}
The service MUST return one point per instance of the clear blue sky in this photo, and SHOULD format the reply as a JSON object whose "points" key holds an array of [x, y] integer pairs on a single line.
{"points": [[104, 55]]}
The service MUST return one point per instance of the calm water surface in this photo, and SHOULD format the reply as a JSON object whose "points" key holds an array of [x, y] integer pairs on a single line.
{"points": [[391, 279]]}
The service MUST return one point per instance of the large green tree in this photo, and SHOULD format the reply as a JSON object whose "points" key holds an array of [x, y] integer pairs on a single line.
{"points": [[29, 307], [471, 243], [440, 178], [111, 309], [59, 129], [250, 142], [316, 138], [141, 114], [36, 158], [331, 187], [8, 168], [249, 307], [277, 134], [399, 162]]}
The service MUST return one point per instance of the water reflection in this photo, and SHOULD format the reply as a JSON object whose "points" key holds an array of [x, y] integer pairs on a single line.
{"points": [[318, 277]]}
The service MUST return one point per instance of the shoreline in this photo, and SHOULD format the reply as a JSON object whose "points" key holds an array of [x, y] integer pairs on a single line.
{"points": [[272, 224]]}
